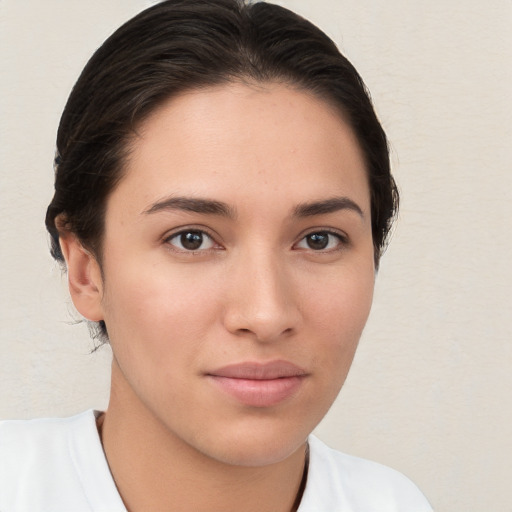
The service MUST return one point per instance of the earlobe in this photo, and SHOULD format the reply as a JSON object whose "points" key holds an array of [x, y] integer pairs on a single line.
{"points": [[84, 277]]}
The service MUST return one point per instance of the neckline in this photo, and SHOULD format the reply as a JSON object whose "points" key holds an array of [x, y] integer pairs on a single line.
{"points": [[91, 465], [99, 417]]}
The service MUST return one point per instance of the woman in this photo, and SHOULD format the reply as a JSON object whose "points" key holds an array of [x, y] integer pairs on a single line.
{"points": [[222, 199]]}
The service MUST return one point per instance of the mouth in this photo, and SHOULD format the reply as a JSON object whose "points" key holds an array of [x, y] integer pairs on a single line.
{"points": [[259, 384]]}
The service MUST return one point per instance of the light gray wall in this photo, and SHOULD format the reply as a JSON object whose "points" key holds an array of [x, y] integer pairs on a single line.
{"points": [[431, 386]]}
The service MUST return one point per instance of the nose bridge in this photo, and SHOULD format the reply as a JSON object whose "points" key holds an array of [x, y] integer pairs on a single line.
{"points": [[262, 299]]}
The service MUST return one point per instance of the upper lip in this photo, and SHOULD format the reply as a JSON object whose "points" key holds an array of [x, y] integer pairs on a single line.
{"points": [[259, 371]]}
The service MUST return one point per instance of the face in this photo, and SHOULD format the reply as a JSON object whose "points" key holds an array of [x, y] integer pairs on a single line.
{"points": [[238, 269]]}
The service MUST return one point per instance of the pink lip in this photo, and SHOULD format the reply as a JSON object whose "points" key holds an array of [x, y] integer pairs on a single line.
{"points": [[259, 384]]}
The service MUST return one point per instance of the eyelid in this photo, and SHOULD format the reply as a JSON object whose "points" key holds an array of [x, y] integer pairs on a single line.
{"points": [[340, 235], [186, 229]]}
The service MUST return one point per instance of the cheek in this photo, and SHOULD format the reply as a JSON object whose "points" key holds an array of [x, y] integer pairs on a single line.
{"points": [[339, 314], [342, 305], [151, 310]]}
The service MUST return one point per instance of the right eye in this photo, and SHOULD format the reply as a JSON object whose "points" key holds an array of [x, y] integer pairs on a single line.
{"points": [[191, 240]]}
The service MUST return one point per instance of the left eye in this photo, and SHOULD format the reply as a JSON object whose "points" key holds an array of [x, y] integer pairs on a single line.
{"points": [[191, 240], [320, 241]]}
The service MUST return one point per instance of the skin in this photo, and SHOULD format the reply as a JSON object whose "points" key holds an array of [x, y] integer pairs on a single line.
{"points": [[257, 290]]}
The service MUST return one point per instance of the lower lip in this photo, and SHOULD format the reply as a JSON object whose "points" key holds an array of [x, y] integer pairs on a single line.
{"points": [[259, 393]]}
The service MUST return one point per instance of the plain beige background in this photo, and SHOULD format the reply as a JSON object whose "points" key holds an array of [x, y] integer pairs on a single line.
{"points": [[430, 389]]}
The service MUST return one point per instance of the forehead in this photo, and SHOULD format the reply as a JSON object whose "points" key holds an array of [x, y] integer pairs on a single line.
{"points": [[240, 139]]}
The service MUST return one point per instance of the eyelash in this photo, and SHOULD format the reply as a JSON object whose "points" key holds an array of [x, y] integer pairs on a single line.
{"points": [[342, 240], [203, 236]]}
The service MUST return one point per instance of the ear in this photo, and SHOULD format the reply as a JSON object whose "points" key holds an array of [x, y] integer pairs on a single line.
{"points": [[84, 277]]}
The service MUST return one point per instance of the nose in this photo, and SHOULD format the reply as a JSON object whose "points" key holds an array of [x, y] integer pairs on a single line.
{"points": [[262, 302]]}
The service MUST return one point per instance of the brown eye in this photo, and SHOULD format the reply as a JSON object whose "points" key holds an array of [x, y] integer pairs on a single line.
{"points": [[321, 241], [318, 241], [191, 240]]}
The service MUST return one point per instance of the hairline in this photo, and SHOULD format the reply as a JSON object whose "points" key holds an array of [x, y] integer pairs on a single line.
{"points": [[128, 143]]}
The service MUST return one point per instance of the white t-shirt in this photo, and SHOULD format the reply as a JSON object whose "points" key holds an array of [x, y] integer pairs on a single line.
{"points": [[58, 465]]}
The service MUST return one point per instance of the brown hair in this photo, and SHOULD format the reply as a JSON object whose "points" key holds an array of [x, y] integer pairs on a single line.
{"points": [[179, 45]]}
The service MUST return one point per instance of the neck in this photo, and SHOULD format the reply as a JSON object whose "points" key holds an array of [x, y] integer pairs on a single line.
{"points": [[155, 470]]}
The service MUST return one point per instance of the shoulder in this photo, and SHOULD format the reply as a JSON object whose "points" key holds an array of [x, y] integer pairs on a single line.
{"points": [[31, 431], [50, 464], [24, 441], [337, 481]]}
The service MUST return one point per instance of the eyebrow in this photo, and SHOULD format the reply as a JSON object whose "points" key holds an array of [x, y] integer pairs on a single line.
{"points": [[325, 206], [213, 207], [192, 204]]}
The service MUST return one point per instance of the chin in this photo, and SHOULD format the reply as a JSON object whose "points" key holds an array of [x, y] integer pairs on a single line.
{"points": [[258, 455], [260, 446]]}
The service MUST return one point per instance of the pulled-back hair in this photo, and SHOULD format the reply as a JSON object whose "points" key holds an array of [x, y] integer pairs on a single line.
{"points": [[180, 45]]}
